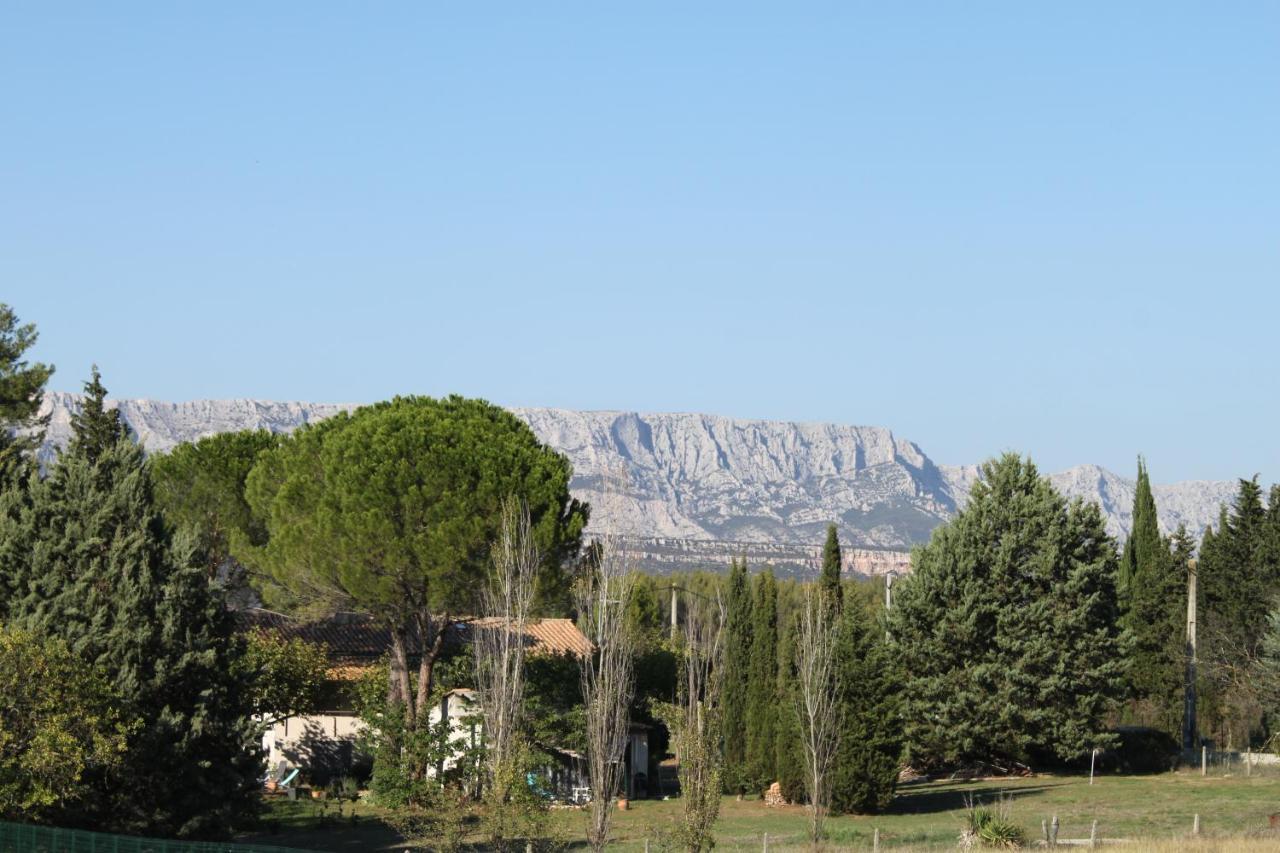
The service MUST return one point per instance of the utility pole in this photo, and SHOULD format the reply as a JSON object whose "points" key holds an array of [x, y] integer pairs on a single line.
{"points": [[1189, 727], [888, 599], [675, 613]]}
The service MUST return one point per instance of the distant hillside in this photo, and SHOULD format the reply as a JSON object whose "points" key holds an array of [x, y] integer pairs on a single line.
{"points": [[690, 489]]}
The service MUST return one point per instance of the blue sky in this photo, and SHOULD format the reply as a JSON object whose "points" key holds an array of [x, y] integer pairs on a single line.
{"points": [[1053, 228]]}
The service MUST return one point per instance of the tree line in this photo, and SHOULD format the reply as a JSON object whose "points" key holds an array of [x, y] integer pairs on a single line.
{"points": [[1023, 636]]}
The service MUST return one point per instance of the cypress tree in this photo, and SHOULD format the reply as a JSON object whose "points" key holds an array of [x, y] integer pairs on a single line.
{"points": [[1008, 627], [865, 772], [1144, 547], [830, 578], [788, 744], [104, 574], [737, 665], [1154, 603], [762, 689]]}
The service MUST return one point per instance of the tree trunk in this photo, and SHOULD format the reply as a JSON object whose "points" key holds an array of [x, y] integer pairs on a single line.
{"points": [[398, 690], [431, 636]]}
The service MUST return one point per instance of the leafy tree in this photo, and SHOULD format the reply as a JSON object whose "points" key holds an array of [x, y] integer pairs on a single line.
{"points": [[392, 509], [200, 487], [286, 677], [644, 612], [21, 391], [57, 723], [762, 685], [102, 571], [695, 723], [1265, 671], [1008, 627], [868, 759], [735, 679], [833, 590]]}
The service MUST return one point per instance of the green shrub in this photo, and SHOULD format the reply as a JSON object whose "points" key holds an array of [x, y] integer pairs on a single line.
{"points": [[991, 826]]}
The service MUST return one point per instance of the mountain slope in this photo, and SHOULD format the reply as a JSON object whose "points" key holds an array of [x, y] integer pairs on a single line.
{"points": [[696, 489]]}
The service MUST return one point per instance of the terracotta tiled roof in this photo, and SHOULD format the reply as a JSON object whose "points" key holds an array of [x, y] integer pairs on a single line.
{"points": [[355, 640], [546, 636]]}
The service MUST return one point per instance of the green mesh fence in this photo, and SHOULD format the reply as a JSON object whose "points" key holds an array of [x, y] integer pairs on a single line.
{"points": [[23, 838]]}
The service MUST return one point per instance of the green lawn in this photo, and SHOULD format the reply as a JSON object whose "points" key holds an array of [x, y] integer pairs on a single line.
{"points": [[924, 816]]}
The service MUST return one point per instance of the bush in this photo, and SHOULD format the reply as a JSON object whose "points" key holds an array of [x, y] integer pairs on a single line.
{"points": [[57, 724]]}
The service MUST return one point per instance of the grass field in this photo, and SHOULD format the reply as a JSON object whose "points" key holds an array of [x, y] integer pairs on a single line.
{"points": [[1156, 810]]}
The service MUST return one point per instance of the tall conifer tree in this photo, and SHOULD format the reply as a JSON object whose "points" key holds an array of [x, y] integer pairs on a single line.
{"points": [[95, 429], [1235, 582], [788, 744], [1237, 571], [21, 391], [831, 559], [737, 664], [1154, 602], [762, 687], [865, 772], [1008, 628], [1144, 548], [103, 574]]}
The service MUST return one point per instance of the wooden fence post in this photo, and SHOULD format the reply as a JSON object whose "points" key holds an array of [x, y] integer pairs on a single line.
{"points": [[1195, 824], [1204, 761], [1093, 835], [875, 840], [1053, 832]]}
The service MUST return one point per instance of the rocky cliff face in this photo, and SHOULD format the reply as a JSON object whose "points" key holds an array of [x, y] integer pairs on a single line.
{"points": [[691, 489]]}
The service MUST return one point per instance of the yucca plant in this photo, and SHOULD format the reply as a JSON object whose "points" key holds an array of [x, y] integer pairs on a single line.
{"points": [[991, 826]]}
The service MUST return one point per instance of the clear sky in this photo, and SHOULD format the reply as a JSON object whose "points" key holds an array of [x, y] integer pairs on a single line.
{"points": [[1049, 227]]}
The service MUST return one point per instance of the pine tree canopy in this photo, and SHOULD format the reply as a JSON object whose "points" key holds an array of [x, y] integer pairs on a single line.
{"points": [[392, 509], [1007, 627], [200, 488]]}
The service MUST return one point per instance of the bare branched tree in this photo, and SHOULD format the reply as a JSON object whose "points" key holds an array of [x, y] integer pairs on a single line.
{"points": [[1242, 674], [499, 645], [696, 721], [818, 701], [607, 678]]}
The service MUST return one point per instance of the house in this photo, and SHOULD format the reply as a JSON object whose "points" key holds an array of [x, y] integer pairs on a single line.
{"points": [[326, 743]]}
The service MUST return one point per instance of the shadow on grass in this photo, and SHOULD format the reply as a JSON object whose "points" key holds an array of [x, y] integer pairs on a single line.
{"points": [[306, 826], [952, 797]]}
